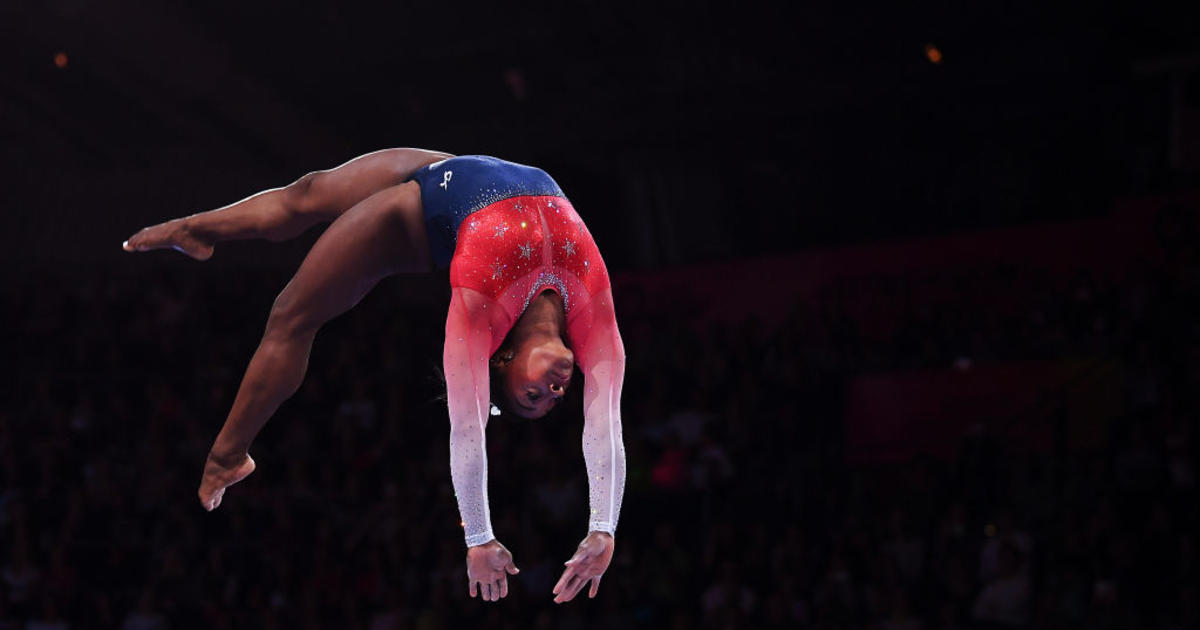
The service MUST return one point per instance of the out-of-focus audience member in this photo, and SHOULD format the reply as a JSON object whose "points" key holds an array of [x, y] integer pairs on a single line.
{"points": [[741, 511]]}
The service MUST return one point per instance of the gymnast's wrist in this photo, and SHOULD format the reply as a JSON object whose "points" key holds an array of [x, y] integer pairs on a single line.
{"points": [[480, 539]]}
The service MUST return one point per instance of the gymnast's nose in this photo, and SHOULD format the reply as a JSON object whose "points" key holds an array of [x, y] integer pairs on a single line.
{"points": [[562, 369]]}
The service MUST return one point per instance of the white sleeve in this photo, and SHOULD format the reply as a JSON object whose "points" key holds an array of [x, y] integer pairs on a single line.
{"points": [[601, 356], [465, 360]]}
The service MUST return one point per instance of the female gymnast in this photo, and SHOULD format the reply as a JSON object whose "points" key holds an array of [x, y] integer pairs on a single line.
{"points": [[530, 298]]}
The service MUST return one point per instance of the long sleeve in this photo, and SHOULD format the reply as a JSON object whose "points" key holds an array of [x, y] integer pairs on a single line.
{"points": [[601, 356], [465, 360]]}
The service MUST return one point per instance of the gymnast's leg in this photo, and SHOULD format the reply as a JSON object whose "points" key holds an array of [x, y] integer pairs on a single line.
{"points": [[380, 236], [283, 213]]}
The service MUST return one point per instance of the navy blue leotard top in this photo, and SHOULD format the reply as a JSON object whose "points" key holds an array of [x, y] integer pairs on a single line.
{"points": [[454, 188]]}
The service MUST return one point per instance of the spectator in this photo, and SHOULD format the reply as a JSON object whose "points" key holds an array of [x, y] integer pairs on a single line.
{"points": [[756, 519], [1004, 601]]}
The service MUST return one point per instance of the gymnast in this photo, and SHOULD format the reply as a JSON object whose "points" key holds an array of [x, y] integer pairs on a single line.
{"points": [[530, 298]]}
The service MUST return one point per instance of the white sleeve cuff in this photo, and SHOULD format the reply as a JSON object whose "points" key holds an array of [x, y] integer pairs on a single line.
{"points": [[479, 539], [601, 526]]}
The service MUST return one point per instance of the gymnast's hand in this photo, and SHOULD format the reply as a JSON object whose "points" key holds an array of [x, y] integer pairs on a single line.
{"points": [[488, 568], [220, 472], [589, 563]]}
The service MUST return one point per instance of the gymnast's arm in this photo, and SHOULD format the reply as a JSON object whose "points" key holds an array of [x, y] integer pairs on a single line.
{"points": [[470, 326], [465, 361], [282, 213], [364, 245], [601, 356]]}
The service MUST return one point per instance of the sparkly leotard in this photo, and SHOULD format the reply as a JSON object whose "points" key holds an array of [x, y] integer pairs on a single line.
{"points": [[513, 235]]}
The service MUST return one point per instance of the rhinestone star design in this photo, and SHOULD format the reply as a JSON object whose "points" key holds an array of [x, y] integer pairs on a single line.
{"points": [[526, 250], [472, 226], [500, 230], [498, 269], [587, 264], [569, 248]]}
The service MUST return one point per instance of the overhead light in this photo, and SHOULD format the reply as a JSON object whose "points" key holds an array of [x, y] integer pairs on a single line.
{"points": [[933, 54]]}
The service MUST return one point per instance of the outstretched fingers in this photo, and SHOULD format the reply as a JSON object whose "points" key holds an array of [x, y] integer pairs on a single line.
{"points": [[509, 569], [564, 580], [488, 568], [579, 571], [489, 591], [573, 579], [595, 587], [571, 589]]}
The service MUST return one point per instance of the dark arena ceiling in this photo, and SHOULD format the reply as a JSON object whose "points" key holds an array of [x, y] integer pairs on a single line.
{"points": [[721, 132]]}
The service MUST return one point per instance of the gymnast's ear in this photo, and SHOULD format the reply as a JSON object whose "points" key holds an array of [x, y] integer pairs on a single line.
{"points": [[498, 388], [503, 358]]}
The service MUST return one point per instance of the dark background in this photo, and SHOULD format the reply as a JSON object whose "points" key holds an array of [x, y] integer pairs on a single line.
{"points": [[667, 115], [691, 137]]}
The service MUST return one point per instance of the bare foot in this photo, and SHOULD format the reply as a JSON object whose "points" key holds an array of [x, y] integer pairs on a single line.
{"points": [[174, 234], [221, 473]]}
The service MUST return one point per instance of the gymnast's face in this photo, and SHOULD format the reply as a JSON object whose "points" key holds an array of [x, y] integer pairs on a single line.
{"points": [[536, 377]]}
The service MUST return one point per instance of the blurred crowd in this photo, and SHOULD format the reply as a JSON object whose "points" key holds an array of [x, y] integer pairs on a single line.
{"points": [[741, 509]]}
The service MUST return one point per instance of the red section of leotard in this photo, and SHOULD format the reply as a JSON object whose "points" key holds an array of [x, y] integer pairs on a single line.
{"points": [[511, 250]]}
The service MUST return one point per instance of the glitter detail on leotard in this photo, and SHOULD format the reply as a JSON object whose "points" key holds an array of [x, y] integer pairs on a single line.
{"points": [[546, 279]]}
